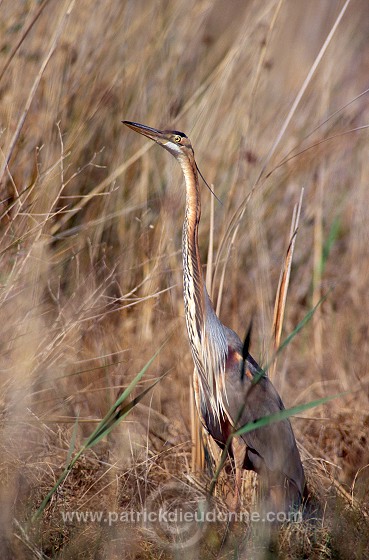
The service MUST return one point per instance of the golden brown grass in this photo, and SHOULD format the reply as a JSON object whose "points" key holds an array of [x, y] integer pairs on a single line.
{"points": [[90, 253]]}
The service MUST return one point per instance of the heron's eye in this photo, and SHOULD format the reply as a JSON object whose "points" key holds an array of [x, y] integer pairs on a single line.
{"points": [[177, 138]]}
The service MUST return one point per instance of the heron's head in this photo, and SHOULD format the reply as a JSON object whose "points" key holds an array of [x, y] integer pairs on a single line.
{"points": [[174, 141]]}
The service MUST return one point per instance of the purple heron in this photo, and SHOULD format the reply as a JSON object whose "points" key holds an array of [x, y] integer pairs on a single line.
{"points": [[226, 396]]}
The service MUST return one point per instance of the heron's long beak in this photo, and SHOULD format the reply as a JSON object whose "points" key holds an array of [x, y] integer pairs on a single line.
{"points": [[147, 131]]}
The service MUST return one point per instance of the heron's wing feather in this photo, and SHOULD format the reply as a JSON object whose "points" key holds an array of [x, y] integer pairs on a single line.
{"points": [[247, 402]]}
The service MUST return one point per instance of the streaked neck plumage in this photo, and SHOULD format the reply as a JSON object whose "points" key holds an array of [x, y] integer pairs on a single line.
{"points": [[205, 331]]}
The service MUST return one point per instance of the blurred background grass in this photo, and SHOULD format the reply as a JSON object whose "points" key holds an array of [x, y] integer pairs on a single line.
{"points": [[90, 236]]}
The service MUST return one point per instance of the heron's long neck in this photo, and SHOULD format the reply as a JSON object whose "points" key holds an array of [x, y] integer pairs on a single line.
{"points": [[205, 331], [193, 283]]}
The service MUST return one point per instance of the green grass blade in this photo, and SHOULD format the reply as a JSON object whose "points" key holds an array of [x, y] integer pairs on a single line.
{"points": [[48, 497], [120, 414], [122, 398], [333, 235], [278, 416], [111, 419], [302, 323], [72, 442]]}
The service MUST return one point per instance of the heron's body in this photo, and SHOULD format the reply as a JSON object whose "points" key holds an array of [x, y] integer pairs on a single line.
{"points": [[225, 394]]}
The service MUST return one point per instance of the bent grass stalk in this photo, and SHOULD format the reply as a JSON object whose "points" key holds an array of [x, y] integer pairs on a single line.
{"points": [[284, 279]]}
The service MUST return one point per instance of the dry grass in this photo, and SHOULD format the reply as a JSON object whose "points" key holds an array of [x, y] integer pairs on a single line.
{"points": [[90, 253]]}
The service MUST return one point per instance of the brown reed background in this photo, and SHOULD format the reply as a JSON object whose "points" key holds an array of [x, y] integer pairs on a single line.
{"points": [[90, 240]]}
